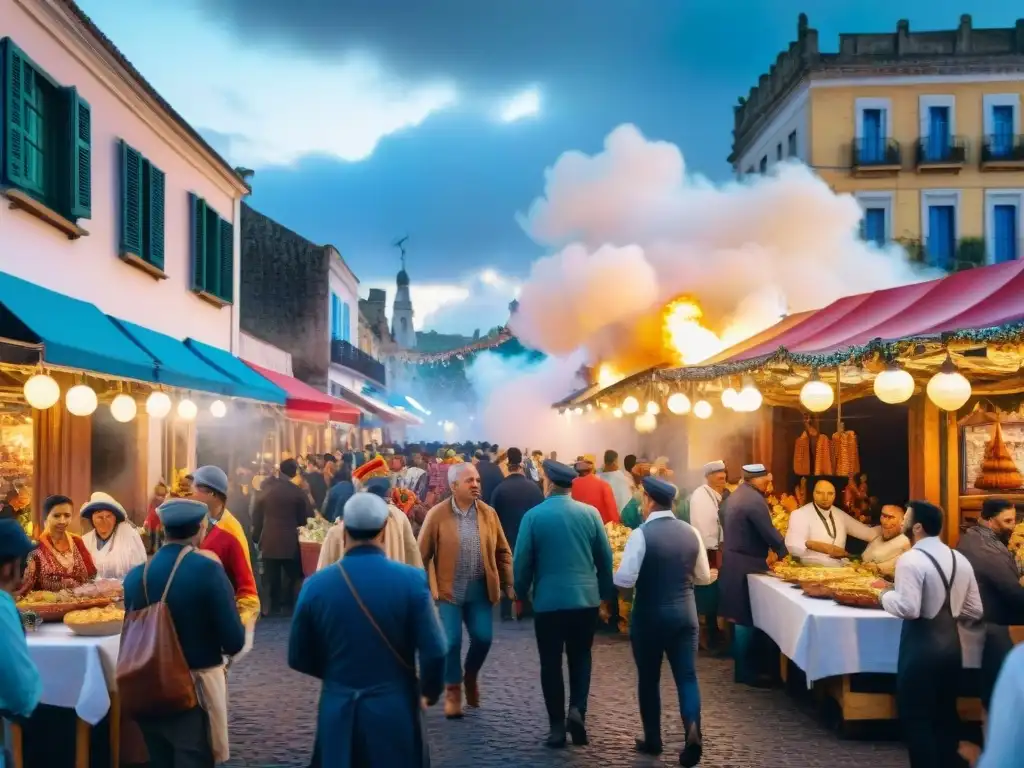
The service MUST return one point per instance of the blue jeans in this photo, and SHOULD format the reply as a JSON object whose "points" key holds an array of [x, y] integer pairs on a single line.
{"points": [[650, 646], [477, 614]]}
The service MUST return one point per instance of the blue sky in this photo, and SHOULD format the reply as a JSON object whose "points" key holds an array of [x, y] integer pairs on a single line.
{"points": [[366, 120]]}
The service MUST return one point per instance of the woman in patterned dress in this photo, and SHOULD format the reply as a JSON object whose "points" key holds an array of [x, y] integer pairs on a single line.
{"points": [[62, 560]]}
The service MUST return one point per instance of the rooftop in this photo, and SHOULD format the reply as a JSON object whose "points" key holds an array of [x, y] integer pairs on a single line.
{"points": [[964, 50]]}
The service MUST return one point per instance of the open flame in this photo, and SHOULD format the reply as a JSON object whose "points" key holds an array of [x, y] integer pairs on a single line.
{"points": [[685, 333], [608, 374]]}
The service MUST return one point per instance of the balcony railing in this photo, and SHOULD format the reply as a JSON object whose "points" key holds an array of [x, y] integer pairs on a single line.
{"points": [[1002, 151], [876, 154], [353, 358], [941, 152]]}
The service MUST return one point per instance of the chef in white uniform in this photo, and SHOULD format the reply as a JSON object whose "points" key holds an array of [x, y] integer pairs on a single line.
{"points": [[817, 531], [704, 504]]}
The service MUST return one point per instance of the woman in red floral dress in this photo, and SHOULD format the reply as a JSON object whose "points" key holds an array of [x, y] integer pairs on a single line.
{"points": [[62, 560]]}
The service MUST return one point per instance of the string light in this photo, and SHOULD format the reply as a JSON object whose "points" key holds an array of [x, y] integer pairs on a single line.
{"points": [[816, 396], [679, 404], [158, 405], [630, 405], [949, 389], [653, 408], [894, 385], [123, 408], [702, 409], [41, 391]]}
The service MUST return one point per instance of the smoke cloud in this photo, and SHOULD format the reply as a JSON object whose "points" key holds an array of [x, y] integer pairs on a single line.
{"points": [[633, 231]]}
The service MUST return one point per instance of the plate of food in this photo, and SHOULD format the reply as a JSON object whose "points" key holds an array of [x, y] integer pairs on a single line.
{"points": [[820, 590], [100, 588], [53, 606], [859, 597], [95, 622]]}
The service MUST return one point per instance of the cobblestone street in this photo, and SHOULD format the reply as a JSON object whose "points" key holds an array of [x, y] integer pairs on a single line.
{"points": [[273, 716]]}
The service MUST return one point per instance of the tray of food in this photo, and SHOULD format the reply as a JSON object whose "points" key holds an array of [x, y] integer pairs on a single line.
{"points": [[111, 588], [54, 606], [858, 597], [817, 589], [95, 622]]}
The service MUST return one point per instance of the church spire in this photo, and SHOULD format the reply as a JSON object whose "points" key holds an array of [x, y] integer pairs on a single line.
{"points": [[402, 329]]}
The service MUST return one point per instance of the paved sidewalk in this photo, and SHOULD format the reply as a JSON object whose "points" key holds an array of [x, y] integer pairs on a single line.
{"points": [[273, 716]]}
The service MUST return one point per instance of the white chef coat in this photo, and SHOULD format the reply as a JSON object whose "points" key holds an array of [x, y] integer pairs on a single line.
{"points": [[805, 525], [880, 551], [919, 591], [123, 551], [704, 505], [636, 547]]}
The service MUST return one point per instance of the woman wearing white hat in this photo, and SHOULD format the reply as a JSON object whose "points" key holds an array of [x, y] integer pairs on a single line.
{"points": [[114, 544]]}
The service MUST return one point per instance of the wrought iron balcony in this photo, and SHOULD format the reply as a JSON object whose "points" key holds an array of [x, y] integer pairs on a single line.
{"points": [[1002, 152], [941, 153], [353, 358], [876, 155]]}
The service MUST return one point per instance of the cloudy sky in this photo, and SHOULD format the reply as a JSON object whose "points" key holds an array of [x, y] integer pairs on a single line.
{"points": [[366, 120]]}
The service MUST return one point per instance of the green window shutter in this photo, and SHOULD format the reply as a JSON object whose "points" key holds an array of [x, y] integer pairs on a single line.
{"points": [[155, 217], [131, 201], [15, 71], [81, 157], [212, 258], [227, 261], [198, 208]]}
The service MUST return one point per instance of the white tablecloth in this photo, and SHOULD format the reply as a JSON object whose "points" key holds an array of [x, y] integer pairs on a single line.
{"points": [[825, 639], [77, 672]]}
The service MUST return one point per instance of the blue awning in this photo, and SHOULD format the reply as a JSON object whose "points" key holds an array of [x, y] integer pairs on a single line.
{"points": [[74, 333], [250, 384], [176, 364]]}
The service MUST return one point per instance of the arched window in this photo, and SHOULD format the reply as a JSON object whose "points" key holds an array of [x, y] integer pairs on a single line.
{"points": [[405, 324]]}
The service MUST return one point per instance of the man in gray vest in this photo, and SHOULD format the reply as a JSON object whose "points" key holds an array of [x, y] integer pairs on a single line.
{"points": [[664, 558]]}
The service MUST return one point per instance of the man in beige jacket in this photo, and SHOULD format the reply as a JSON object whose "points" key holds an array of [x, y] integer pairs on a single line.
{"points": [[399, 542]]}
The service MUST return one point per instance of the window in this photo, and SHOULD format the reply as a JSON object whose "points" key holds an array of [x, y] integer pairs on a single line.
{"points": [[1002, 130], [763, 166], [873, 226], [873, 146], [941, 243], [937, 142], [142, 209], [1004, 220], [791, 144], [778, 151], [1001, 124], [876, 223], [339, 319], [873, 129], [47, 137], [213, 253]]}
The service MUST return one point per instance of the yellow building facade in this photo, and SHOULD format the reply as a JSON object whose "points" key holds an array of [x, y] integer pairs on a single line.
{"points": [[924, 129]]}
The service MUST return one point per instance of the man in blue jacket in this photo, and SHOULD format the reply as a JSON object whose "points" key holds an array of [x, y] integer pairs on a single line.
{"points": [[562, 554], [512, 499], [358, 627]]}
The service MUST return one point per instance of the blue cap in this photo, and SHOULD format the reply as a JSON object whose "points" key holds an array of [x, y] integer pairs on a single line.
{"points": [[379, 486], [662, 493], [560, 474], [212, 477], [175, 513], [13, 541], [365, 512]]}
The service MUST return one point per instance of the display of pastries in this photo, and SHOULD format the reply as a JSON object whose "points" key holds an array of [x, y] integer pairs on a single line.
{"points": [[95, 615]]}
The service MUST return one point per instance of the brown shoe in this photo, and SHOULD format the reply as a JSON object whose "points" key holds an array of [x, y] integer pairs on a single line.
{"points": [[453, 701], [472, 684]]}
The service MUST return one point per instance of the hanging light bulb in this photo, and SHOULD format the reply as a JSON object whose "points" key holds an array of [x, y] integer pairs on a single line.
{"points": [[702, 409], [158, 405], [646, 423], [81, 400], [949, 389], [187, 410], [678, 403], [749, 398], [577, 410], [123, 408], [41, 391], [590, 406], [218, 409], [653, 408], [617, 413], [630, 405], [729, 396], [894, 385], [816, 396]]}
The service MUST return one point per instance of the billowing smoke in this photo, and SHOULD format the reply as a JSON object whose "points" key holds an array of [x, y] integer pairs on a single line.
{"points": [[634, 232]]}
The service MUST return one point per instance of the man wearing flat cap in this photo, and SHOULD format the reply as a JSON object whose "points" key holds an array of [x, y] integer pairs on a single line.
{"points": [[359, 627], [20, 685], [749, 536], [563, 556], [663, 560]]}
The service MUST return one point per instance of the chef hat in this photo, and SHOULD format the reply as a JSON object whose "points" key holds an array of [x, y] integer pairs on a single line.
{"points": [[714, 466]]}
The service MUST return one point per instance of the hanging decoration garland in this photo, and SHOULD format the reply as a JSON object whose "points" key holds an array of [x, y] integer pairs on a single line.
{"points": [[502, 336]]}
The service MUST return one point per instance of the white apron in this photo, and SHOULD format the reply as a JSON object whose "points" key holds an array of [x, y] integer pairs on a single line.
{"points": [[212, 693]]}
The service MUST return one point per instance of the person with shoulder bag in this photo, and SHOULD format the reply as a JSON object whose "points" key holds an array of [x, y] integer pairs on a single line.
{"points": [[358, 627], [180, 622]]}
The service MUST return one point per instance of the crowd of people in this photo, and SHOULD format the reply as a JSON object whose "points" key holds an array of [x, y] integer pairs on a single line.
{"points": [[427, 540]]}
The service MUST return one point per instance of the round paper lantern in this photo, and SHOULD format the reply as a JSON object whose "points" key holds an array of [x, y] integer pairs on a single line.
{"points": [[617, 413], [81, 400], [218, 409], [894, 385], [749, 398], [702, 409], [653, 408], [158, 405], [630, 405], [729, 396], [817, 396], [948, 388], [645, 423], [187, 410], [41, 391], [123, 408], [678, 404], [577, 410]]}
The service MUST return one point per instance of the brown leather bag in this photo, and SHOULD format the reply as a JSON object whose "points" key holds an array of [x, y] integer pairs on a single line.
{"points": [[153, 677]]}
